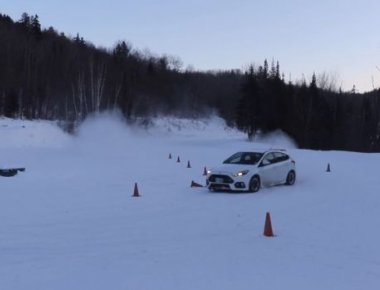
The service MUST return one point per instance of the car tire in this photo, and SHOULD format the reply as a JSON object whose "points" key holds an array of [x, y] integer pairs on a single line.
{"points": [[291, 178], [254, 184]]}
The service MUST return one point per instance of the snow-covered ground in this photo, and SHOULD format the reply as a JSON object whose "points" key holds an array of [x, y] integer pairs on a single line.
{"points": [[70, 222]]}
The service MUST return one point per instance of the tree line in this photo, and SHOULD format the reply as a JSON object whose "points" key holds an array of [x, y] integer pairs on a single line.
{"points": [[45, 74], [316, 118], [48, 75]]}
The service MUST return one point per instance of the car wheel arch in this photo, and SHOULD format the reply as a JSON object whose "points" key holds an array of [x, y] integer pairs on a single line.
{"points": [[291, 177], [255, 176]]}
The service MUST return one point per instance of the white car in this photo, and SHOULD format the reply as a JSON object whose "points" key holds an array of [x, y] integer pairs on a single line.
{"points": [[248, 171]]}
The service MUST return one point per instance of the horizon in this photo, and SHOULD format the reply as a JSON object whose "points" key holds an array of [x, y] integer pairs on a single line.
{"points": [[335, 39]]}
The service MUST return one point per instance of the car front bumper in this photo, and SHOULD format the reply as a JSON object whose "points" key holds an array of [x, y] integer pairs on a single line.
{"points": [[222, 182]]}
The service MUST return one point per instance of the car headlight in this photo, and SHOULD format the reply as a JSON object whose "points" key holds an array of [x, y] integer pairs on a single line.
{"points": [[209, 172], [241, 173]]}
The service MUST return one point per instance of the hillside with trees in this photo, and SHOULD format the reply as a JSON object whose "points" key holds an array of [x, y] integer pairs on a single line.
{"points": [[316, 118], [45, 74]]}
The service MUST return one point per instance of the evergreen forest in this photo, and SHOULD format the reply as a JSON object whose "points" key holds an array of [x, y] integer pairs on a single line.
{"points": [[45, 74]]}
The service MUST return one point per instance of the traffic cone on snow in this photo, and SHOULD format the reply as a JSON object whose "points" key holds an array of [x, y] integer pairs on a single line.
{"points": [[268, 231], [328, 168], [205, 171], [170, 156], [188, 164], [178, 160], [194, 184], [136, 191]]}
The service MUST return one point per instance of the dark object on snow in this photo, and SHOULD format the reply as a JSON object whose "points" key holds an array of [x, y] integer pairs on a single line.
{"points": [[10, 171], [194, 184], [136, 191]]}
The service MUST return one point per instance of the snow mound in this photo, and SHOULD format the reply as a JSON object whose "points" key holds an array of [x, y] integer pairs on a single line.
{"points": [[276, 139], [215, 127], [104, 130], [23, 133], [212, 127], [110, 129]]}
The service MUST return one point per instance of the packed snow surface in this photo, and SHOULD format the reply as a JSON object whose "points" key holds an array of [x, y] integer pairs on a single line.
{"points": [[70, 221]]}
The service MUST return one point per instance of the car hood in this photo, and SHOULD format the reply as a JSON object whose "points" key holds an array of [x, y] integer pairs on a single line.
{"points": [[232, 168]]}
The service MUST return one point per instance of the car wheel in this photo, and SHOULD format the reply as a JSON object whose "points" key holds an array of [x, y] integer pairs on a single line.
{"points": [[254, 184], [291, 178]]}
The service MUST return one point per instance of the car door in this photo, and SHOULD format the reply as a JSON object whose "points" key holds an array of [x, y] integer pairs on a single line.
{"points": [[266, 169], [281, 167]]}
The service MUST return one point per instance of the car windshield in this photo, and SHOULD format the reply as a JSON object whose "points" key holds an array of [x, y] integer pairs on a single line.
{"points": [[244, 158]]}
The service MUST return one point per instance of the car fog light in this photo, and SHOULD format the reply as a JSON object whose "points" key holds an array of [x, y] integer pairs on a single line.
{"points": [[240, 185]]}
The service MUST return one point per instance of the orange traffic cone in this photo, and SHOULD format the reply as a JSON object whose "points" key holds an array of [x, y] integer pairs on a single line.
{"points": [[136, 191], [194, 184], [268, 231], [328, 168], [205, 171], [188, 164], [178, 160]]}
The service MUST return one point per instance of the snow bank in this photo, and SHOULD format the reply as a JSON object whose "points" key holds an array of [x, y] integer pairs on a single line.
{"points": [[24, 133], [209, 127], [110, 129]]}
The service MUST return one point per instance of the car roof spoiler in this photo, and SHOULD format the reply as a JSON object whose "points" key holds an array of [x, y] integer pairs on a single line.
{"points": [[277, 149]]}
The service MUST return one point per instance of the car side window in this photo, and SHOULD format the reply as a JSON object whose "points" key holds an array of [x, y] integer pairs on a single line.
{"points": [[279, 157], [268, 159]]}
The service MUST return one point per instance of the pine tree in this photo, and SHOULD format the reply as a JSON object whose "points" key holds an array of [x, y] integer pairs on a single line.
{"points": [[79, 40], [265, 69], [25, 20], [249, 112], [121, 51], [35, 27], [278, 71], [313, 83], [272, 73]]}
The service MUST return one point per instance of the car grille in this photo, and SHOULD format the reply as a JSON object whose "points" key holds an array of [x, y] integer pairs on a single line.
{"points": [[223, 178], [216, 186]]}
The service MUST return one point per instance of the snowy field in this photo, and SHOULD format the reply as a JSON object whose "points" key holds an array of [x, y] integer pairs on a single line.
{"points": [[69, 222]]}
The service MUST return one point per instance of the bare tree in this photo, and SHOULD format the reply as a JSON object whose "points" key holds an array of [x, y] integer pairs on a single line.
{"points": [[327, 81]]}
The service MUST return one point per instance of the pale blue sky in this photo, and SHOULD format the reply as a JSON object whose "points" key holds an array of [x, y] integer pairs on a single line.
{"points": [[338, 37]]}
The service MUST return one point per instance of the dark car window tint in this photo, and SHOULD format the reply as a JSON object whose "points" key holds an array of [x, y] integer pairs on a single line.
{"points": [[244, 158], [268, 159], [234, 158], [279, 157]]}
